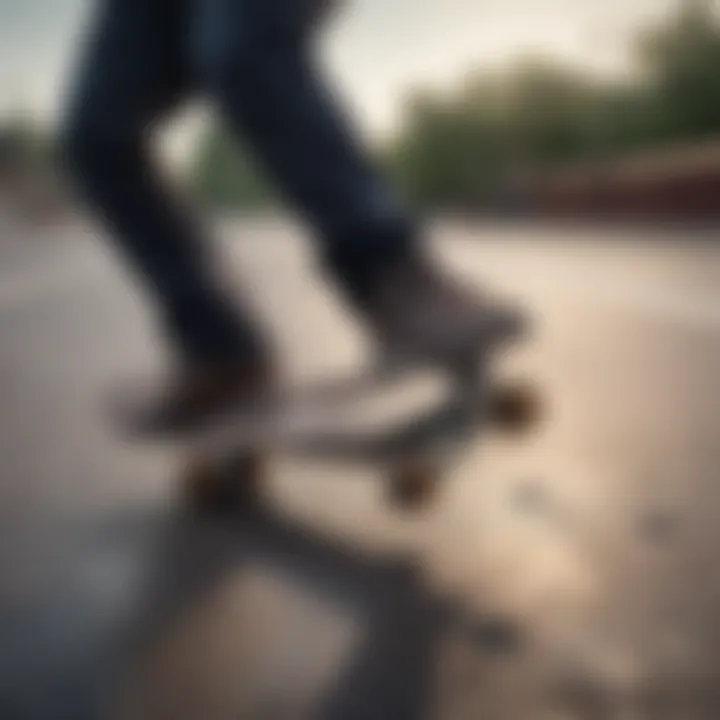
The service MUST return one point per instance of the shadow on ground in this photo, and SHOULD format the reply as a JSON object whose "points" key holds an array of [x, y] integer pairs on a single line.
{"points": [[196, 615]]}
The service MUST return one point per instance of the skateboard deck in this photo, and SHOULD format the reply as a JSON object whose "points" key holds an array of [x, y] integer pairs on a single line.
{"points": [[410, 421], [373, 417]]}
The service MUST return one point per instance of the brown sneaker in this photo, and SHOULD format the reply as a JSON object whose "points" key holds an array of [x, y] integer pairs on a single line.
{"points": [[418, 313], [193, 396]]}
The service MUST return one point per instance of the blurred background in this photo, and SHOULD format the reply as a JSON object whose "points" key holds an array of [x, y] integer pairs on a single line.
{"points": [[548, 107], [566, 153]]}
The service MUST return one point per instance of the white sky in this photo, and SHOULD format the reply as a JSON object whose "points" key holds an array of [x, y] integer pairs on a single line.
{"points": [[377, 48]]}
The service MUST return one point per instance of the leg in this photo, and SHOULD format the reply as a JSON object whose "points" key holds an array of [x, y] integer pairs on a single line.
{"points": [[135, 71], [254, 57], [254, 60]]}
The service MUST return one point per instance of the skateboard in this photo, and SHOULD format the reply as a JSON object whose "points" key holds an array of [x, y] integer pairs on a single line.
{"points": [[370, 418]]}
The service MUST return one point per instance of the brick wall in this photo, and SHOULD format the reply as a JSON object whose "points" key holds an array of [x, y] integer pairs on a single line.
{"points": [[674, 183]]}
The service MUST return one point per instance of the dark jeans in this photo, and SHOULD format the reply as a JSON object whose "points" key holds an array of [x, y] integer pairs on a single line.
{"points": [[253, 60]]}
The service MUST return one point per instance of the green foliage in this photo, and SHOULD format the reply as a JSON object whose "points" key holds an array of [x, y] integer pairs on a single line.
{"points": [[681, 61], [226, 175], [26, 147], [473, 145], [18, 140], [540, 114], [445, 154]]}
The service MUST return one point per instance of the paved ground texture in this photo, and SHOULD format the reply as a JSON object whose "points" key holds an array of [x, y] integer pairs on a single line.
{"points": [[573, 574]]}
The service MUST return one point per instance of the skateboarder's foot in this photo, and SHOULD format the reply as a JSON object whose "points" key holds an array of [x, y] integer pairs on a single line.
{"points": [[194, 394], [418, 312]]}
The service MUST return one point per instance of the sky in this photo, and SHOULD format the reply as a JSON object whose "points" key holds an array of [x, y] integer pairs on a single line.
{"points": [[376, 51]]}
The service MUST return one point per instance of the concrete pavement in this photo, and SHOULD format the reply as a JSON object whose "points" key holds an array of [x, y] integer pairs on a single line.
{"points": [[572, 573]]}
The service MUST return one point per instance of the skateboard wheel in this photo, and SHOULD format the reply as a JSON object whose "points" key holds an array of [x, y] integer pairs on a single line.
{"points": [[413, 487], [220, 486], [516, 408]]}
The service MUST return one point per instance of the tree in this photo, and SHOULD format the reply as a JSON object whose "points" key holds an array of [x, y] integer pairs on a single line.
{"points": [[541, 114], [680, 60]]}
